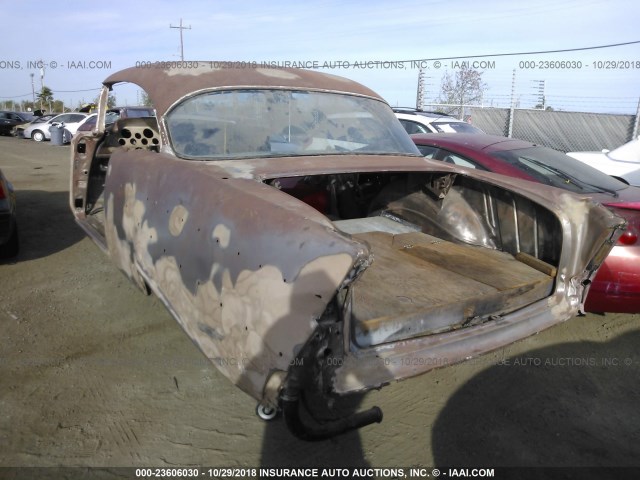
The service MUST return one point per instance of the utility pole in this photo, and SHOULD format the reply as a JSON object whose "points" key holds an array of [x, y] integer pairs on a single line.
{"points": [[636, 122], [41, 82], [33, 91], [181, 42], [512, 108]]}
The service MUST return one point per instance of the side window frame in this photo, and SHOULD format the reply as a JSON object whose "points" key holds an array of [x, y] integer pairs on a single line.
{"points": [[431, 153], [420, 128], [442, 154]]}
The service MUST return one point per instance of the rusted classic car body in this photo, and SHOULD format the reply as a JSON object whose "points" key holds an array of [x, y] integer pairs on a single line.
{"points": [[326, 257]]}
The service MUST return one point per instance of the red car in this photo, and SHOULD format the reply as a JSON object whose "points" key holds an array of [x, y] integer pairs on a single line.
{"points": [[616, 287]]}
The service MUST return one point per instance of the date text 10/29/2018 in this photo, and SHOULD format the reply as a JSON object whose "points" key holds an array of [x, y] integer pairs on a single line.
{"points": [[310, 472], [579, 65]]}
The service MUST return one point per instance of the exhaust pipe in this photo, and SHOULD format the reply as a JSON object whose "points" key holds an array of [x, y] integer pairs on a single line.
{"points": [[302, 424]]}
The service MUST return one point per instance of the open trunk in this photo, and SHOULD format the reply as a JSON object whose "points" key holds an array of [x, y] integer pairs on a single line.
{"points": [[447, 251], [419, 284]]}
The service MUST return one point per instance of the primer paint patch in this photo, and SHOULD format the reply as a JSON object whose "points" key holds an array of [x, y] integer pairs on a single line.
{"points": [[203, 67], [222, 234], [268, 72], [336, 77], [178, 219], [258, 319]]}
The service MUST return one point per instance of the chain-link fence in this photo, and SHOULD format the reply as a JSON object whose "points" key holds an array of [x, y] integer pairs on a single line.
{"points": [[564, 131]]}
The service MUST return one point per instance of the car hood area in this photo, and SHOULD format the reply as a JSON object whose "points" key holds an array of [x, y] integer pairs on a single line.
{"points": [[629, 152]]}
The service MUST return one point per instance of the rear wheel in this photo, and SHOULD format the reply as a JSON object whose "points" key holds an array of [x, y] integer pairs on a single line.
{"points": [[38, 136]]}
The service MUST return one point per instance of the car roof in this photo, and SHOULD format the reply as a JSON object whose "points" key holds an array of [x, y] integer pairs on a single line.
{"points": [[68, 113], [472, 141], [126, 107], [166, 86], [423, 113], [17, 113], [478, 147], [427, 117]]}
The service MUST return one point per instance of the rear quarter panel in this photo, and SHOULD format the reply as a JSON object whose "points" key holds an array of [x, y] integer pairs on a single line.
{"points": [[245, 269]]}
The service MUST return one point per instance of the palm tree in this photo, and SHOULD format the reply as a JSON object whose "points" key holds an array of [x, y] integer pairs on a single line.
{"points": [[45, 96]]}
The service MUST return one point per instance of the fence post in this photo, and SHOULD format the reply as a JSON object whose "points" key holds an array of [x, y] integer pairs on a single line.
{"points": [[636, 121], [512, 107]]}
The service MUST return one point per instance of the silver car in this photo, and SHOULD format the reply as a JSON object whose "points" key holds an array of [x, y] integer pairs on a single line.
{"points": [[419, 121], [40, 131]]}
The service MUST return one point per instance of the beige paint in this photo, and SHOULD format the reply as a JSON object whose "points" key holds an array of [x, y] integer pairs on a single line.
{"points": [[251, 326], [222, 234], [177, 220], [277, 73]]}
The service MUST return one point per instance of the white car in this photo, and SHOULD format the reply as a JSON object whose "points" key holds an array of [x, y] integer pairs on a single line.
{"points": [[419, 121], [622, 163], [40, 131]]}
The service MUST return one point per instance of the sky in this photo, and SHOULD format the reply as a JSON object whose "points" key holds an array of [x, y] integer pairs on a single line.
{"points": [[81, 43]]}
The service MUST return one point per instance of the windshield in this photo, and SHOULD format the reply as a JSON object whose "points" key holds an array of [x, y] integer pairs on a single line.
{"points": [[252, 123], [555, 168], [110, 118], [139, 113], [44, 118], [27, 117]]}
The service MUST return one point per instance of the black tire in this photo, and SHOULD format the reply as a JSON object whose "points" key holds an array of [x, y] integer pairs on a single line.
{"points": [[12, 247], [38, 136]]}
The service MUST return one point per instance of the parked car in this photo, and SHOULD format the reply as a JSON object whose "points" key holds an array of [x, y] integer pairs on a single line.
{"points": [[622, 163], [419, 121], [114, 114], [9, 120], [616, 287], [40, 131], [18, 130], [9, 243], [87, 124], [289, 224]]}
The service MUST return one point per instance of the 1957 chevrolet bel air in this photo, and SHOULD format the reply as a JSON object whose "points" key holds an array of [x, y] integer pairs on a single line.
{"points": [[288, 223]]}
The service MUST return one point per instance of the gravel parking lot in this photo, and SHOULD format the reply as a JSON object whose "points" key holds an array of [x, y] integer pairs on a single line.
{"points": [[94, 373]]}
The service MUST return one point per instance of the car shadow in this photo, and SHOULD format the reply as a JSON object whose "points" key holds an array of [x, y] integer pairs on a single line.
{"points": [[280, 448], [45, 224], [568, 405]]}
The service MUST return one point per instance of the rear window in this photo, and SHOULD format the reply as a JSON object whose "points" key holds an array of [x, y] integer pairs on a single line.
{"points": [[267, 123]]}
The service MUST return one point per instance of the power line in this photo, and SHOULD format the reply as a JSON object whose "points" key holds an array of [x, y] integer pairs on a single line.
{"points": [[76, 91], [57, 91], [523, 53]]}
